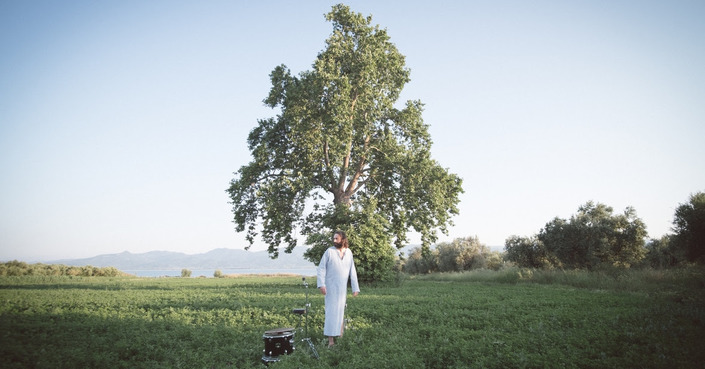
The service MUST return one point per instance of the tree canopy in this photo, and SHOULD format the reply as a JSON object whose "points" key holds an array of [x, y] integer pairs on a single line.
{"points": [[689, 228], [594, 237], [461, 254], [342, 155]]}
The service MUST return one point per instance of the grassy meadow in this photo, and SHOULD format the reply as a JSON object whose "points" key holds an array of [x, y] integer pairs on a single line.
{"points": [[508, 319]]}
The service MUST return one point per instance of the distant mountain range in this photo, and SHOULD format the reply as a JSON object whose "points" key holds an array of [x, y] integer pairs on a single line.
{"points": [[214, 259]]}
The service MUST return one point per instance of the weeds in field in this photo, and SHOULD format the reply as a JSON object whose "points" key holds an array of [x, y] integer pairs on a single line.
{"points": [[635, 280], [511, 318]]}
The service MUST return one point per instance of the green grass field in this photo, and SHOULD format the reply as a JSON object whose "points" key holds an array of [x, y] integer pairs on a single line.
{"points": [[508, 319]]}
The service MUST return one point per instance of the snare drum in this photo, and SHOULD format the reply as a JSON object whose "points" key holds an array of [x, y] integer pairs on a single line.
{"points": [[277, 342]]}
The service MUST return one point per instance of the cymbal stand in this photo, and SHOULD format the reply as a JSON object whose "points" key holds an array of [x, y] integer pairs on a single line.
{"points": [[304, 312]]}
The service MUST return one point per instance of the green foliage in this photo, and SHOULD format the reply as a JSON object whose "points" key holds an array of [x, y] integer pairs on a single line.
{"points": [[661, 254], [462, 254], [689, 228], [594, 237], [528, 252], [339, 138], [185, 273], [420, 262], [20, 268], [218, 274], [679, 282], [367, 236], [478, 319], [459, 255]]}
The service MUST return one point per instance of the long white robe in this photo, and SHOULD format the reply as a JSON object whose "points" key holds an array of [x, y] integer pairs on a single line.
{"points": [[333, 273]]}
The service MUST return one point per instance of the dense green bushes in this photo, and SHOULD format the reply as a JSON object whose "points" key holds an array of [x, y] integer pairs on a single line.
{"points": [[595, 238], [457, 256], [20, 268]]}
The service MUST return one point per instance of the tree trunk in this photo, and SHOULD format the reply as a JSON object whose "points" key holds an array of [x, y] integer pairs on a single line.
{"points": [[342, 197]]}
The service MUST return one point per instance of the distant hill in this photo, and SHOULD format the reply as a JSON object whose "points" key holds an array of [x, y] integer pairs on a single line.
{"points": [[215, 259]]}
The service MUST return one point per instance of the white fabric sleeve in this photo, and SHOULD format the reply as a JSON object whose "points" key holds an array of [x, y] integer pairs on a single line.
{"points": [[321, 270]]}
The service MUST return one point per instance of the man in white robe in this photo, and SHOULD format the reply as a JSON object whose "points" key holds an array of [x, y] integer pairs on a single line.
{"points": [[336, 266]]}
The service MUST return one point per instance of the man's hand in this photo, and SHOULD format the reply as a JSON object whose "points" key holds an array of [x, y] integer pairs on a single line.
{"points": [[323, 290], [355, 294]]}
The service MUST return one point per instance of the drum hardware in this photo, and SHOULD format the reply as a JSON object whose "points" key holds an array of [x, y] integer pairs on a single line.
{"points": [[281, 341], [304, 313], [277, 342]]}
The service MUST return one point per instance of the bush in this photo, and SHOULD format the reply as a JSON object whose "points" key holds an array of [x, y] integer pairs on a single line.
{"points": [[661, 254], [185, 273], [494, 261], [460, 255], [595, 237], [18, 268], [418, 263]]}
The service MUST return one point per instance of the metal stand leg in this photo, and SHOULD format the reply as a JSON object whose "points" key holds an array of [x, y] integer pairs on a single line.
{"points": [[313, 348]]}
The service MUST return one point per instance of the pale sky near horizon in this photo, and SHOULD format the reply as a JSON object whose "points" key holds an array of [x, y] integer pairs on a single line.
{"points": [[122, 122]]}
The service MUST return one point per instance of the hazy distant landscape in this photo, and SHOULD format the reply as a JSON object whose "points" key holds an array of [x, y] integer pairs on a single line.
{"points": [[215, 259], [221, 258]]}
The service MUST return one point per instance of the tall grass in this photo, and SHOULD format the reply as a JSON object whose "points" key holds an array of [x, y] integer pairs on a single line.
{"points": [[628, 280]]}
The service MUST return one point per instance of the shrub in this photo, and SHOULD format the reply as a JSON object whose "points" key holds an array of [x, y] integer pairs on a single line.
{"points": [[418, 263], [459, 255], [18, 268]]}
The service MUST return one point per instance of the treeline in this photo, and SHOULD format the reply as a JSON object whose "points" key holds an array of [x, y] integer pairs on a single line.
{"points": [[19, 268], [593, 238], [460, 255]]}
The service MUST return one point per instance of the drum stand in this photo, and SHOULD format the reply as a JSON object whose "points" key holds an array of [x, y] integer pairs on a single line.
{"points": [[304, 312]]}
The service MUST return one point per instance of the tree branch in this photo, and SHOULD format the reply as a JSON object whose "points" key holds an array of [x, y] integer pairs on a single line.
{"points": [[346, 161], [344, 168], [328, 170], [360, 168]]}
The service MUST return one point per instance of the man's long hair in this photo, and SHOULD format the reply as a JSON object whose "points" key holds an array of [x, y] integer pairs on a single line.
{"points": [[343, 238]]}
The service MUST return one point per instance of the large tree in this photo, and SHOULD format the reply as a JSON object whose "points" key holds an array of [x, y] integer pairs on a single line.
{"points": [[341, 155]]}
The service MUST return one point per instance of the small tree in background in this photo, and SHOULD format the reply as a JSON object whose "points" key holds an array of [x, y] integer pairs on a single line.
{"points": [[595, 237], [592, 238], [689, 228], [494, 261], [185, 273], [661, 254], [462, 254], [459, 255], [420, 262], [529, 252]]}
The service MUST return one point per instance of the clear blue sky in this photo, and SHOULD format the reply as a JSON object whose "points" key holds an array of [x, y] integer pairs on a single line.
{"points": [[121, 122]]}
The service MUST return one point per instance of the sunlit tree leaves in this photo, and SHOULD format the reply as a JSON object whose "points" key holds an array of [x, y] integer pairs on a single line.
{"points": [[342, 155]]}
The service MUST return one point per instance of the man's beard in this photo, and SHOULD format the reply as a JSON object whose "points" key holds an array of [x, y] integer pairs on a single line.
{"points": [[338, 244]]}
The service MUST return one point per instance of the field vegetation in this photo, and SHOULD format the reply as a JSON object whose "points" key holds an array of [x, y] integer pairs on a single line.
{"points": [[512, 318], [20, 268]]}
